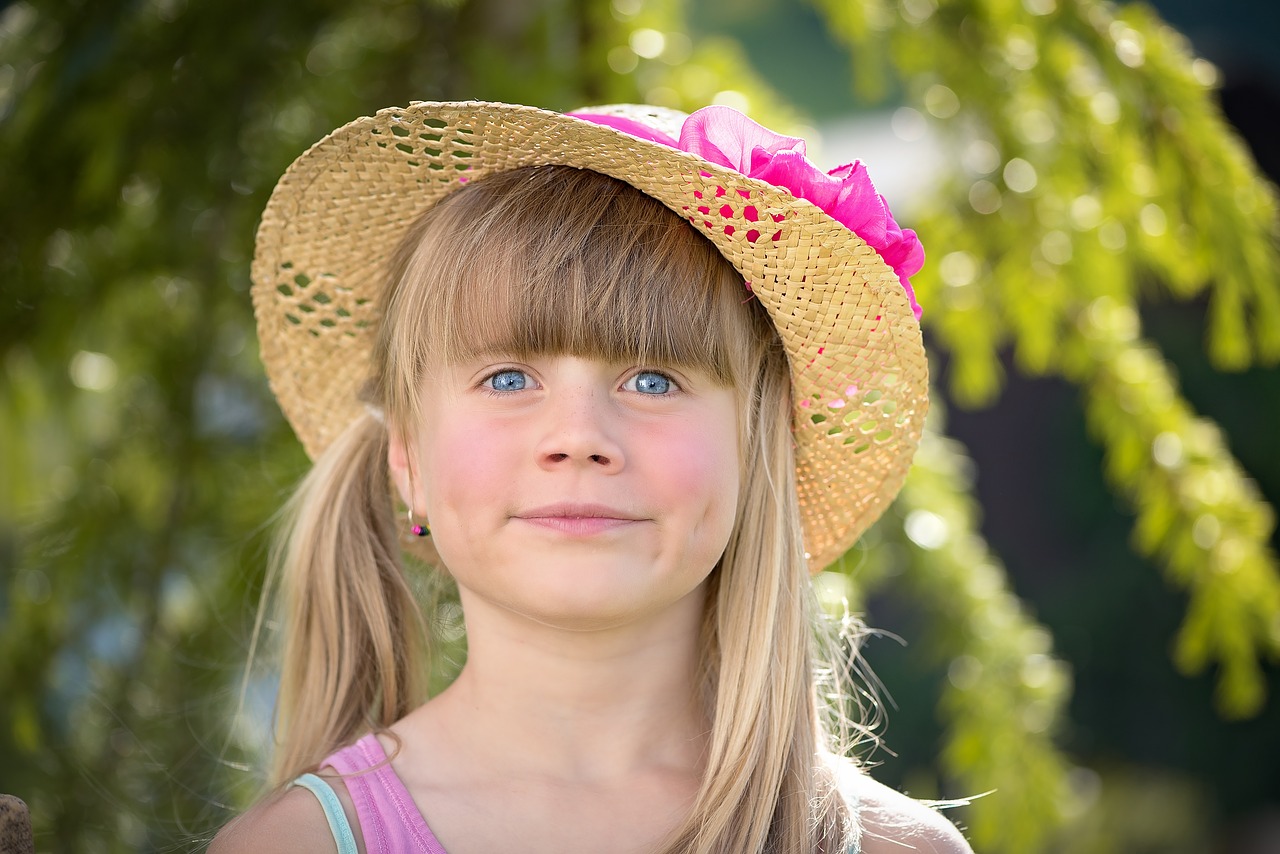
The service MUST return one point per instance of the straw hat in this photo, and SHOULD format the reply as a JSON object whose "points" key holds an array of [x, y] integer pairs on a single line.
{"points": [[858, 370]]}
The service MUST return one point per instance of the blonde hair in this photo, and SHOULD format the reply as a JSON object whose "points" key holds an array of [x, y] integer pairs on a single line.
{"points": [[560, 260]]}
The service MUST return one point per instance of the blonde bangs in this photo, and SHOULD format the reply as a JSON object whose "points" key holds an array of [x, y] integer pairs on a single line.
{"points": [[555, 260]]}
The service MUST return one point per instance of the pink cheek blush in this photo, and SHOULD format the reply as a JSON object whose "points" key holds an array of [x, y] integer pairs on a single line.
{"points": [[689, 462], [469, 464]]}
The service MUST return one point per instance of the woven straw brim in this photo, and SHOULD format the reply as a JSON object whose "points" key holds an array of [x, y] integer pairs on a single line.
{"points": [[857, 362]]}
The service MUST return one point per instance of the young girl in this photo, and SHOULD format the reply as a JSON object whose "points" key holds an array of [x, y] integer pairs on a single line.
{"points": [[628, 378]]}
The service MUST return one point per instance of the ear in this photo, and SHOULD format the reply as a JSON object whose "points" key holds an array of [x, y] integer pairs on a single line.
{"points": [[403, 465]]}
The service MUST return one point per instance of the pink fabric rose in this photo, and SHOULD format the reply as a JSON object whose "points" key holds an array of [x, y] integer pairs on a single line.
{"points": [[723, 136]]}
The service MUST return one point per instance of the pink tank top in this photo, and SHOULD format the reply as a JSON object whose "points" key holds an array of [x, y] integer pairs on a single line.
{"points": [[389, 819]]}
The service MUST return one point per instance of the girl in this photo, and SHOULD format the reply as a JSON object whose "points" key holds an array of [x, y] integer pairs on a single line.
{"points": [[629, 377]]}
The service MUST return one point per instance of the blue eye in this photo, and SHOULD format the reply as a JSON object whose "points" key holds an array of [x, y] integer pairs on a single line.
{"points": [[650, 382], [507, 381]]}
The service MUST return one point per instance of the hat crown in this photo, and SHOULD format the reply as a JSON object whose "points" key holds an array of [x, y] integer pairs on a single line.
{"points": [[662, 119]]}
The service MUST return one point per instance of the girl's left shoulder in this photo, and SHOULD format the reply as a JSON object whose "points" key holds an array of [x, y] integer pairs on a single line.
{"points": [[893, 823]]}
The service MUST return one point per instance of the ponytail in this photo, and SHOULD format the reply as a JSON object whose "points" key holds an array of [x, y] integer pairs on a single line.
{"points": [[353, 656]]}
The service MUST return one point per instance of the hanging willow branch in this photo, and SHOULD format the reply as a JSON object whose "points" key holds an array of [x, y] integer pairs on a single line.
{"points": [[1092, 170]]}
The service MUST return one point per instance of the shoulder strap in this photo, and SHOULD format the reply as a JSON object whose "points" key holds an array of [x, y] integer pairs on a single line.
{"points": [[333, 811], [387, 813]]}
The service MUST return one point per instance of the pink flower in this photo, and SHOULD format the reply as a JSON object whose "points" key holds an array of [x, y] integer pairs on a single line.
{"points": [[723, 136]]}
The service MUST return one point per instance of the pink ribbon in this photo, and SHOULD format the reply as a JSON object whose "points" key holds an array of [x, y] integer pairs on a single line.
{"points": [[725, 137]]}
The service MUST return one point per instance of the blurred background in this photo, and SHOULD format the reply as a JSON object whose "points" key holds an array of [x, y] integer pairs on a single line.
{"points": [[1077, 593]]}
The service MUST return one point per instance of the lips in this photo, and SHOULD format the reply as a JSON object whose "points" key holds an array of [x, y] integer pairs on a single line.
{"points": [[579, 519]]}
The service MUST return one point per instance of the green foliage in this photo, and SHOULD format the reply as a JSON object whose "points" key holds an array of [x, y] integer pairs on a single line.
{"points": [[1197, 511], [672, 71], [1097, 171], [1094, 157]]}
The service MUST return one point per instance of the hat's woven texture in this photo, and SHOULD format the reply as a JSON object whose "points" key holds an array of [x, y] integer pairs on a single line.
{"points": [[857, 363]]}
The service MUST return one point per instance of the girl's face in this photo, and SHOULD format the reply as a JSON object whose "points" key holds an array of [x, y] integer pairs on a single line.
{"points": [[572, 491]]}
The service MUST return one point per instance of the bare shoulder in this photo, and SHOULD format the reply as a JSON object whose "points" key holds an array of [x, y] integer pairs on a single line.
{"points": [[893, 823], [292, 822]]}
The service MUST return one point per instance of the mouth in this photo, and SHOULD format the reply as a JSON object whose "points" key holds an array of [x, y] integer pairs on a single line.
{"points": [[578, 519]]}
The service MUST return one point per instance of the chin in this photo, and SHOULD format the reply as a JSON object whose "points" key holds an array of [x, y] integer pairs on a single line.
{"points": [[595, 600]]}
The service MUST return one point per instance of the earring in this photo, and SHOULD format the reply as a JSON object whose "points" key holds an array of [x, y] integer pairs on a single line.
{"points": [[418, 530]]}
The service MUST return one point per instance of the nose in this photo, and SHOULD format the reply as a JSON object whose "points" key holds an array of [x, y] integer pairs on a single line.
{"points": [[580, 432]]}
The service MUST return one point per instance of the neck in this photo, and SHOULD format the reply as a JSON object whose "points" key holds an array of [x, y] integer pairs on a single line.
{"points": [[582, 704]]}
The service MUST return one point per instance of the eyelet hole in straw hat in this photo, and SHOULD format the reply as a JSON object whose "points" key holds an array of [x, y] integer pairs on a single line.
{"points": [[841, 311]]}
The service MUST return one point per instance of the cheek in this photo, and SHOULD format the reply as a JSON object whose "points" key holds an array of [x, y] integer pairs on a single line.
{"points": [[700, 460], [467, 472], [465, 462]]}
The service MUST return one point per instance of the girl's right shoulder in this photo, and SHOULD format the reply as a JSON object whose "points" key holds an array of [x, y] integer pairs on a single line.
{"points": [[291, 822]]}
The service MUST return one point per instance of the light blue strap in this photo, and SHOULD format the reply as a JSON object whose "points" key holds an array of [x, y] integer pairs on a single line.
{"points": [[333, 811]]}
